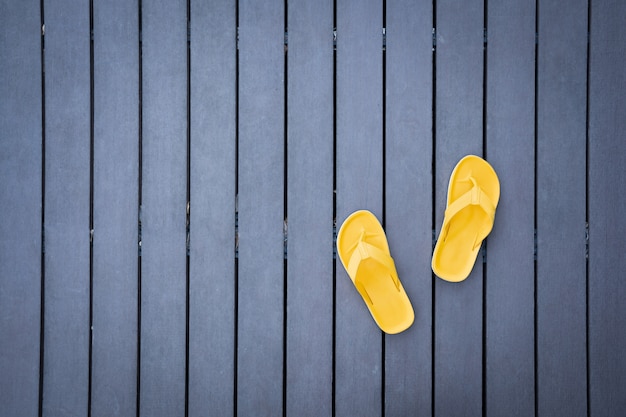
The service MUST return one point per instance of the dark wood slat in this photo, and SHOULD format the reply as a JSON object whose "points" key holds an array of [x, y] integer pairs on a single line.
{"points": [[261, 209], [459, 132], [67, 160], [164, 201], [310, 209], [607, 205], [509, 284], [116, 170], [408, 205], [358, 345], [212, 223], [561, 113], [20, 204]]}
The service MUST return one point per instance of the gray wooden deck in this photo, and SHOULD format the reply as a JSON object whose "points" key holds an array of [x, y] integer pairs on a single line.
{"points": [[172, 175]]}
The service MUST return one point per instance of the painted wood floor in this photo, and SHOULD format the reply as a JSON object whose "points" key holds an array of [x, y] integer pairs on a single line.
{"points": [[173, 175]]}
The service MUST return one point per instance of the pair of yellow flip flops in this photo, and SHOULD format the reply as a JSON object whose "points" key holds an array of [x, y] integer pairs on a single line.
{"points": [[473, 194]]}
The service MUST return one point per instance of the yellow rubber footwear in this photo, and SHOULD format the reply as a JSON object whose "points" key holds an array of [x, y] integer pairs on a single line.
{"points": [[473, 195], [364, 253]]}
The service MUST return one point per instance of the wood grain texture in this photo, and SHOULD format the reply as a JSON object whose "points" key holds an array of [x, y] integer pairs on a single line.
{"points": [[115, 211], [310, 209], [408, 200], [561, 200], [67, 183], [249, 313], [163, 212], [510, 340], [359, 162], [459, 132], [212, 211], [261, 209], [607, 205], [20, 205]]}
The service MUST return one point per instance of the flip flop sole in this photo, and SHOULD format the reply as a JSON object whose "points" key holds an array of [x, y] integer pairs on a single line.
{"points": [[379, 286], [458, 244]]}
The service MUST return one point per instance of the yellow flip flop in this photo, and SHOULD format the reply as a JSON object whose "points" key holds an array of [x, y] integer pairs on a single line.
{"points": [[473, 195], [364, 253]]}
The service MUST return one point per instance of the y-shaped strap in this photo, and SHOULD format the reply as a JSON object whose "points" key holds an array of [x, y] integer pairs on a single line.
{"points": [[475, 197], [364, 251]]}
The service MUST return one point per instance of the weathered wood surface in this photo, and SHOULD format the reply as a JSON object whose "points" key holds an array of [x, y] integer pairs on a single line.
{"points": [[607, 205], [20, 207], [560, 199], [172, 175], [212, 207], [163, 279], [458, 118], [115, 213], [309, 314], [408, 199], [359, 171], [66, 223], [509, 280]]}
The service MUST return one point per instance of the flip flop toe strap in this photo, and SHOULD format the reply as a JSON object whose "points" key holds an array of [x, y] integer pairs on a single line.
{"points": [[474, 197], [364, 251]]}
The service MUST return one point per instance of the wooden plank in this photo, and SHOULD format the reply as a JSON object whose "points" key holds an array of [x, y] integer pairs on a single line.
{"points": [[67, 167], [261, 209], [310, 209], [20, 204], [510, 340], [459, 132], [212, 199], [607, 205], [115, 211], [359, 150], [163, 213], [561, 299], [408, 205]]}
